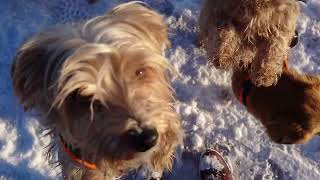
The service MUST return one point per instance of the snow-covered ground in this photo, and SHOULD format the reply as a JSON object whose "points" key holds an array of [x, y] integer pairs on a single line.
{"points": [[211, 115]]}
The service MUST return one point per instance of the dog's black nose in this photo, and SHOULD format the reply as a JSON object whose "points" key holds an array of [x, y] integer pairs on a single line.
{"points": [[143, 139]]}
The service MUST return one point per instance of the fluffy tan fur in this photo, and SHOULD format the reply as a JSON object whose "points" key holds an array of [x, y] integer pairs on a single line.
{"points": [[243, 32], [289, 110], [96, 80]]}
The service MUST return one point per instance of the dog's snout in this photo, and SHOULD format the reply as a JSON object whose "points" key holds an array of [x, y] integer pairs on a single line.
{"points": [[143, 139]]}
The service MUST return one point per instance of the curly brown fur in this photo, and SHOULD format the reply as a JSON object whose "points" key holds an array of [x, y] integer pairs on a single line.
{"points": [[290, 110], [257, 32], [103, 85]]}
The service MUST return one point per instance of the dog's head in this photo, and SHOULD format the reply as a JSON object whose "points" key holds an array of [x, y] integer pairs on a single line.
{"points": [[291, 130], [249, 32], [107, 87], [294, 116], [118, 105], [289, 111], [291, 133]]}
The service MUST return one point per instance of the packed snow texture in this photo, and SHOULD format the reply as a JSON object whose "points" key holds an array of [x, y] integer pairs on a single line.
{"points": [[208, 162], [211, 116]]}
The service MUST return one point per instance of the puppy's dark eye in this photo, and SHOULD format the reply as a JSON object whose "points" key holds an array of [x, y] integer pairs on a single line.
{"points": [[98, 106], [140, 72], [75, 100], [81, 100]]}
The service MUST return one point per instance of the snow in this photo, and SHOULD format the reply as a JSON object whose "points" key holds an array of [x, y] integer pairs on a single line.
{"points": [[211, 116], [208, 162], [9, 137]]}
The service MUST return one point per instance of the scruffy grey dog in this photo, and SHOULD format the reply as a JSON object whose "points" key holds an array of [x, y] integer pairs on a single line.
{"points": [[103, 88], [249, 33]]}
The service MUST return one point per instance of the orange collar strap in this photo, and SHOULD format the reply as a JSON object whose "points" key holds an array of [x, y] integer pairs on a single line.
{"points": [[244, 94], [74, 154]]}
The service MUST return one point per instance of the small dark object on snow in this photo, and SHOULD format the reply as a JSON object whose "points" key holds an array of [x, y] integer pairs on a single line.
{"points": [[295, 40], [92, 1]]}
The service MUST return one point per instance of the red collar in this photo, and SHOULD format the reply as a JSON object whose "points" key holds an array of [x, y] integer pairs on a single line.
{"points": [[244, 95], [74, 154]]}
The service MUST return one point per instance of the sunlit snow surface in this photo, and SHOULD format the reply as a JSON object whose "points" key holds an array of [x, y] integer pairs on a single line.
{"points": [[211, 115]]}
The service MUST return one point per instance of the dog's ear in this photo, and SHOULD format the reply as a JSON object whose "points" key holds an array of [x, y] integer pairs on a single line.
{"points": [[303, 80], [27, 74], [206, 21], [313, 80]]}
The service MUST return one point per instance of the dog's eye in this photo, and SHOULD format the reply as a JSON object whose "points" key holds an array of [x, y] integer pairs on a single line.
{"points": [[98, 106], [140, 72], [81, 100]]}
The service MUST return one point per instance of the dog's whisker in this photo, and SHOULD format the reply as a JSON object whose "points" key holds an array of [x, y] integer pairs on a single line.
{"points": [[60, 173], [49, 133], [53, 163], [56, 165], [51, 147]]}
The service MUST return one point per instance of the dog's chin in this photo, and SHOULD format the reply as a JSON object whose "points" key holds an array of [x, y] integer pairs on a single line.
{"points": [[126, 156], [124, 153], [131, 155]]}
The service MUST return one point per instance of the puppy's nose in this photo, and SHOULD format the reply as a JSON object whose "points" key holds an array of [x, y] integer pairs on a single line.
{"points": [[143, 139]]}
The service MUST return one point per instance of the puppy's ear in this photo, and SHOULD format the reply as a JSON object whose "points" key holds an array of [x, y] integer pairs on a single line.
{"points": [[303, 80], [27, 73], [206, 21], [313, 80]]}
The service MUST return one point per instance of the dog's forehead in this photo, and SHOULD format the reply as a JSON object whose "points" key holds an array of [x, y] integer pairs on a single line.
{"points": [[137, 60]]}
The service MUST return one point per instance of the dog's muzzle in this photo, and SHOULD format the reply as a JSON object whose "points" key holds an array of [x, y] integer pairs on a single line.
{"points": [[142, 139]]}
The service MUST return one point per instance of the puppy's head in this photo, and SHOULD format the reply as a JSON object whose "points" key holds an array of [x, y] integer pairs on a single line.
{"points": [[294, 117], [118, 105], [289, 110], [255, 32], [105, 86], [291, 131]]}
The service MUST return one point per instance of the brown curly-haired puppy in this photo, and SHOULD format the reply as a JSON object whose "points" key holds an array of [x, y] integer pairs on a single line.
{"points": [[290, 111], [245, 32]]}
